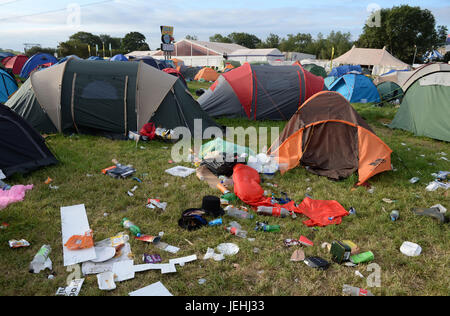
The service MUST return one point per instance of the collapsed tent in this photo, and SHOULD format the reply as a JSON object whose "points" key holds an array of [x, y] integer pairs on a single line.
{"points": [[260, 92], [5, 54], [16, 63], [95, 58], [329, 138], [189, 73], [119, 57], [316, 70], [345, 69], [35, 61], [390, 91], [105, 98], [425, 109], [8, 86], [207, 74], [22, 148], [356, 88]]}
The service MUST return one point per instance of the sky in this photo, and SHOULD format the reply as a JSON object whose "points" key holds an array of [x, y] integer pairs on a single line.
{"points": [[49, 22]]}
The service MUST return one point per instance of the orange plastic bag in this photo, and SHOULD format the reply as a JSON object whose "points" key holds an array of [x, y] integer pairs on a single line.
{"points": [[77, 242]]}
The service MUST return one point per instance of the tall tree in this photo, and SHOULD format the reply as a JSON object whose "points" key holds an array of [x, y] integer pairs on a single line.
{"points": [[86, 38], [219, 39], [244, 39], [134, 41], [402, 29], [37, 49], [272, 41]]}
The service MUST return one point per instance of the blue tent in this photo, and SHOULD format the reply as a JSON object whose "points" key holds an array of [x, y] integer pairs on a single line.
{"points": [[148, 60], [356, 88], [163, 64], [35, 61], [433, 55], [7, 86], [119, 57], [67, 57], [342, 70], [329, 81], [5, 54], [95, 58]]}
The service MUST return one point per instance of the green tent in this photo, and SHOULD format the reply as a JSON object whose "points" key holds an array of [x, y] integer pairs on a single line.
{"points": [[316, 70], [111, 99], [425, 109], [390, 91]]}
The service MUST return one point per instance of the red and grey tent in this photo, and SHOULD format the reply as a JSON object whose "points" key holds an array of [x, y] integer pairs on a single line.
{"points": [[175, 73], [260, 92]]}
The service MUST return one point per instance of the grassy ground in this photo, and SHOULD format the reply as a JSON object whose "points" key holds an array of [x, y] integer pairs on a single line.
{"points": [[266, 272]]}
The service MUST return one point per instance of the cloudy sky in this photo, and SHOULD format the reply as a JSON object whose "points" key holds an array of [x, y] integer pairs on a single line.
{"points": [[53, 21]]}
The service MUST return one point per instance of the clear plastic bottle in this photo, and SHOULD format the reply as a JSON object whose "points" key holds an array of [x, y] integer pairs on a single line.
{"points": [[235, 229], [273, 211], [355, 291], [39, 260], [237, 213], [135, 230]]}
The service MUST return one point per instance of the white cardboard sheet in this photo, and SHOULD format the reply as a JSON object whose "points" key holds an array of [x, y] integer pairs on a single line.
{"points": [[155, 289], [74, 221]]}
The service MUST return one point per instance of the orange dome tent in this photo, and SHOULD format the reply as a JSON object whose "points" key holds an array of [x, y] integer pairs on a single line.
{"points": [[329, 138], [207, 74], [178, 63]]}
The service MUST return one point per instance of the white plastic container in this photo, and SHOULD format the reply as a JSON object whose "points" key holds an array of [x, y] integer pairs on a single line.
{"points": [[410, 249]]}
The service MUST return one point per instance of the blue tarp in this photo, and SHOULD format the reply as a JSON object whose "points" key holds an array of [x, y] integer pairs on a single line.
{"points": [[356, 88], [7, 86], [342, 70], [119, 57], [36, 60]]}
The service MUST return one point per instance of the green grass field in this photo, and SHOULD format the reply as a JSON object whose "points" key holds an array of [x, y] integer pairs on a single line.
{"points": [[266, 272]]}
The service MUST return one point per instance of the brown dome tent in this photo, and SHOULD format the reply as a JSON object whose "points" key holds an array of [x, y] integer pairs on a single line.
{"points": [[329, 138]]}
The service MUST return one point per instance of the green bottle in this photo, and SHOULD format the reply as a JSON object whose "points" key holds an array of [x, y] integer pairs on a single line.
{"points": [[135, 230], [271, 228]]}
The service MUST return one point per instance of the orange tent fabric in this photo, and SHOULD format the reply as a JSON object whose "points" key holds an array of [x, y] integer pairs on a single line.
{"points": [[328, 136], [207, 74], [178, 63]]}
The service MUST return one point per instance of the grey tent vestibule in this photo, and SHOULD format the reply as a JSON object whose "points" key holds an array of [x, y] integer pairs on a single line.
{"points": [[104, 98]]}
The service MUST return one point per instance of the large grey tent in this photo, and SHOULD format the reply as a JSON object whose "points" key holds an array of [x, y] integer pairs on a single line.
{"points": [[99, 97]]}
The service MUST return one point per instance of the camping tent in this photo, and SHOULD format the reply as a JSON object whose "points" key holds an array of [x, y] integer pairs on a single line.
{"points": [[178, 63], [260, 92], [35, 61], [390, 91], [64, 59], [328, 136], [148, 60], [433, 55], [316, 70], [22, 148], [207, 74], [95, 58], [105, 98], [380, 59], [329, 81], [16, 63], [345, 69], [175, 73], [189, 73], [5, 54], [356, 88], [8, 86], [397, 76], [425, 109], [118, 57]]}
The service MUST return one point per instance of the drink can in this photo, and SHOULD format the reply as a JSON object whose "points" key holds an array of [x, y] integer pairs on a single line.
{"points": [[362, 257]]}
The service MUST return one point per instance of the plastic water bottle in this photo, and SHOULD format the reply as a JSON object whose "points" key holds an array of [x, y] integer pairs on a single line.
{"points": [[355, 291], [39, 259], [236, 229], [135, 230], [237, 213], [273, 211]]}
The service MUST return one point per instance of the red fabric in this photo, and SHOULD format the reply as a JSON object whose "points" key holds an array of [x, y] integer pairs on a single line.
{"points": [[241, 80], [313, 84], [148, 130], [214, 85], [5, 60], [16, 63], [246, 186], [321, 213]]}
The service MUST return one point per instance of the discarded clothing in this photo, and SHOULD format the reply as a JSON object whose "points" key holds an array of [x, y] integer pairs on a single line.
{"points": [[322, 213], [15, 194]]}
